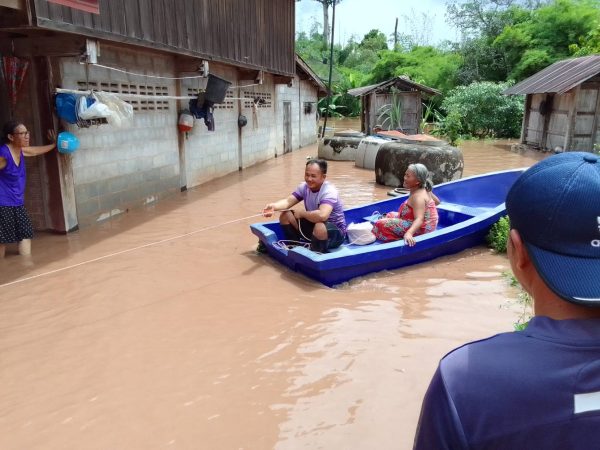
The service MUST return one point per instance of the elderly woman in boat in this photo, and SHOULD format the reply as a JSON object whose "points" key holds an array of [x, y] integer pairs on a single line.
{"points": [[417, 215]]}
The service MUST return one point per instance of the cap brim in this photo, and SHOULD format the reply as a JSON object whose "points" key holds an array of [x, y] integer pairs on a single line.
{"points": [[574, 279]]}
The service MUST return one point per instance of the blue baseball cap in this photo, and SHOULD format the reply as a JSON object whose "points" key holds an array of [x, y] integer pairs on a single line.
{"points": [[555, 207]]}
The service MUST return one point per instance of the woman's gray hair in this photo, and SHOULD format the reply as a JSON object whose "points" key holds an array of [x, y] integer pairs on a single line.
{"points": [[422, 175]]}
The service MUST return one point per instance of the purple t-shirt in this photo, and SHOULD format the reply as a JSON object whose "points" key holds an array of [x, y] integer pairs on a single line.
{"points": [[328, 195], [12, 179]]}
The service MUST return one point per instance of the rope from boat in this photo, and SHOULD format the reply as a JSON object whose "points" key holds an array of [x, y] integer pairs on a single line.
{"points": [[287, 244], [110, 255]]}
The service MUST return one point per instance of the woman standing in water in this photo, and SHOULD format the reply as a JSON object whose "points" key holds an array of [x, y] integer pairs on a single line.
{"points": [[15, 224], [417, 215]]}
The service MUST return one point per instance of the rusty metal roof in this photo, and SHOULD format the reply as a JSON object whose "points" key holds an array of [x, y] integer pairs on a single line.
{"points": [[301, 64], [560, 77], [399, 81]]}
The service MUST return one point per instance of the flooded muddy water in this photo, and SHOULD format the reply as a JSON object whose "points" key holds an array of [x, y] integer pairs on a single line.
{"points": [[165, 329]]}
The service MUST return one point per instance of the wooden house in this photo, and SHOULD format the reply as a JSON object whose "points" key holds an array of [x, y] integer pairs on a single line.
{"points": [[155, 55], [402, 90], [562, 105]]}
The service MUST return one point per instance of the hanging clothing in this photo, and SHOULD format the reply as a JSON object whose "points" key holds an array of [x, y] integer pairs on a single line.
{"points": [[203, 112]]}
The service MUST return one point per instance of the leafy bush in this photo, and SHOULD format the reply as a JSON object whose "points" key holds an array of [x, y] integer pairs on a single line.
{"points": [[484, 111], [450, 127], [497, 237]]}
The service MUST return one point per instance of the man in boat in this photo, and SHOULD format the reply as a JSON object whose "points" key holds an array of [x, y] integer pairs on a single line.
{"points": [[540, 387], [322, 221]]}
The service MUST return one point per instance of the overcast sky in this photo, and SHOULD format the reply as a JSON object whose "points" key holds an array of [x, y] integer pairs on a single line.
{"points": [[358, 17]]}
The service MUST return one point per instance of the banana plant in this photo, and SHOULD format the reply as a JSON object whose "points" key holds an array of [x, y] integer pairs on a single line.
{"points": [[335, 110]]}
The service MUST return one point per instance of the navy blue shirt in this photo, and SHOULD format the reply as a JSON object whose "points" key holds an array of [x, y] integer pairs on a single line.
{"points": [[534, 389]]}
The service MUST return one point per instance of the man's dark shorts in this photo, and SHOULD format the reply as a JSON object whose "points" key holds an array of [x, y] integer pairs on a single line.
{"points": [[335, 238]]}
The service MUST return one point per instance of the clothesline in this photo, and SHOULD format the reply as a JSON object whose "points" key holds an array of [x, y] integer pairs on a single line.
{"points": [[122, 94], [141, 96], [144, 75]]}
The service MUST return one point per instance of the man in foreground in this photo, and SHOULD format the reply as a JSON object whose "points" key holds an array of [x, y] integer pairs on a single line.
{"points": [[538, 388], [322, 223]]}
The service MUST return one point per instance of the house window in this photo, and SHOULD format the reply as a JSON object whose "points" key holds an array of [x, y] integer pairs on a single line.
{"points": [[139, 104], [227, 104], [264, 99]]}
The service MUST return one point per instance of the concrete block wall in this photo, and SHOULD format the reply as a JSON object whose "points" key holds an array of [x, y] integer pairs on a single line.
{"points": [[211, 154], [308, 121], [116, 168], [259, 136], [304, 126]]}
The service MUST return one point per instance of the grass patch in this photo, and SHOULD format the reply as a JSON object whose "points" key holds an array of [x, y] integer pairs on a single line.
{"points": [[523, 299]]}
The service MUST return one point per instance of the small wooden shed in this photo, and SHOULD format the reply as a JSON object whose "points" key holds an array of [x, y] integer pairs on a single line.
{"points": [[562, 105], [375, 96]]}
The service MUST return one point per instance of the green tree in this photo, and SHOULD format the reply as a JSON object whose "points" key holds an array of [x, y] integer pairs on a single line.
{"points": [[374, 40], [425, 65], [313, 50], [547, 35], [363, 56], [587, 45], [326, 4], [482, 18], [349, 79], [484, 111], [480, 22]]}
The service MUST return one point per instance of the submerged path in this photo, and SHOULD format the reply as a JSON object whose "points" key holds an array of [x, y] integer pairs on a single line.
{"points": [[164, 329]]}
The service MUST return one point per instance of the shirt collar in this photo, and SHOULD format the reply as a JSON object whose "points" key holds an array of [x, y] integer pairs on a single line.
{"points": [[565, 331]]}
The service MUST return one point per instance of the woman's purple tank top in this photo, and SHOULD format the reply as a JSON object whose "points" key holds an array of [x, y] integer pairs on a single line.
{"points": [[12, 179]]}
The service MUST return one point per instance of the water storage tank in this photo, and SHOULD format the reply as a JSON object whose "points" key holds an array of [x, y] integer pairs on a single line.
{"points": [[341, 147], [367, 151], [444, 162]]}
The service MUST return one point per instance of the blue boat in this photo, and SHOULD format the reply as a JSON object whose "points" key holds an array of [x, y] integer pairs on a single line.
{"points": [[468, 208]]}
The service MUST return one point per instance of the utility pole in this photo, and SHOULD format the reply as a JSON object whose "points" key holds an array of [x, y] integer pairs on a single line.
{"points": [[396, 36], [330, 71]]}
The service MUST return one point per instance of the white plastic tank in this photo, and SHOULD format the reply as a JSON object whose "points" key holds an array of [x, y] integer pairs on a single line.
{"points": [[367, 152]]}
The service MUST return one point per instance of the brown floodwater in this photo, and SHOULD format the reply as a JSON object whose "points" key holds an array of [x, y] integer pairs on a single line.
{"points": [[163, 328]]}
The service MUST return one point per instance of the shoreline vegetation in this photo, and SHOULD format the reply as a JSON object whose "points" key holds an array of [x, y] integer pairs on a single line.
{"points": [[503, 42]]}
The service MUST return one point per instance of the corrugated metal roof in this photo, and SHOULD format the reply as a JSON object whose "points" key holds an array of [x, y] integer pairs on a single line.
{"points": [[405, 82], [558, 78], [315, 78]]}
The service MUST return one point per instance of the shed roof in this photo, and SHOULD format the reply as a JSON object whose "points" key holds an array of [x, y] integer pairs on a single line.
{"points": [[301, 64], [559, 77], [401, 81]]}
